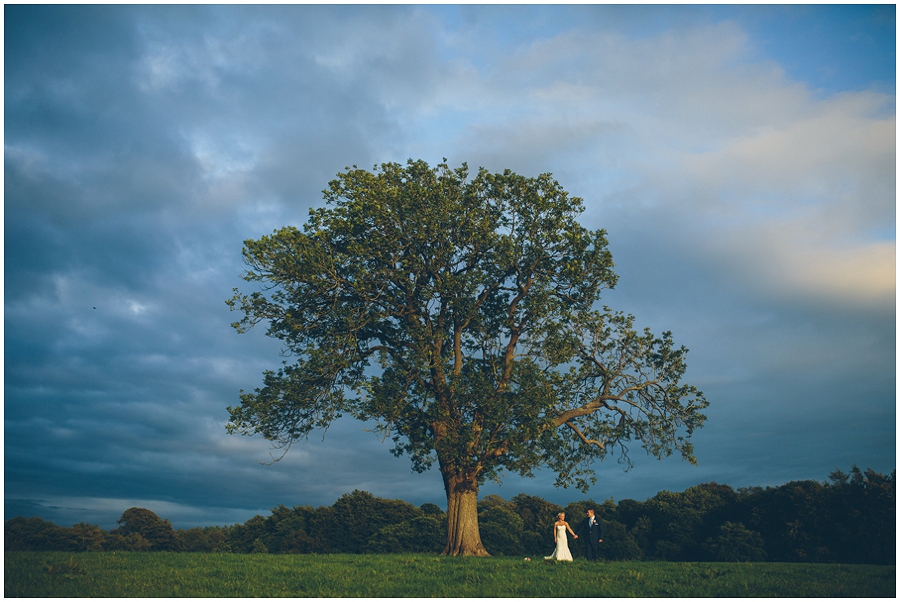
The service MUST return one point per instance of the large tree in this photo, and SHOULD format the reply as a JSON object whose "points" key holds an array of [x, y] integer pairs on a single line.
{"points": [[461, 315]]}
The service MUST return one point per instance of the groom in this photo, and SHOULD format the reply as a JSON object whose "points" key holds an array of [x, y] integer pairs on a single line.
{"points": [[593, 536]]}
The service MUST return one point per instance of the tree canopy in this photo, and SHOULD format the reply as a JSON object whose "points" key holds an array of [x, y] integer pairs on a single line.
{"points": [[462, 316]]}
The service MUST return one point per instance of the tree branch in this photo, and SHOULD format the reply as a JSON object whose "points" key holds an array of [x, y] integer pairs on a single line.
{"points": [[584, 439]]}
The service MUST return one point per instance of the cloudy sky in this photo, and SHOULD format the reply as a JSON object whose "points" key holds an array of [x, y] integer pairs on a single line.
{"points": [[742, 159]]}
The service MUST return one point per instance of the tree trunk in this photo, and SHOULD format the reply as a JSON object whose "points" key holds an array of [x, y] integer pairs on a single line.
{"points": [[463, 538]]}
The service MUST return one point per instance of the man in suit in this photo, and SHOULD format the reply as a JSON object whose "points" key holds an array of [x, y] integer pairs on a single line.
{"points": [[593, 529]]}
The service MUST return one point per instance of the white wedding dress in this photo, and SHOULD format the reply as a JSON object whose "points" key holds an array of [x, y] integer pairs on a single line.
{"points": [[562, 546]]}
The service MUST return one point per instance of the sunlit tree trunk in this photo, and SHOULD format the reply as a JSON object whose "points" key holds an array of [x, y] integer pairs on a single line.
{"points": [[463, 538]]}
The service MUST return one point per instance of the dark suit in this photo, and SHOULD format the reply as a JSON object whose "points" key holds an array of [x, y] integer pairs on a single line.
{"points": [[592, 536]]}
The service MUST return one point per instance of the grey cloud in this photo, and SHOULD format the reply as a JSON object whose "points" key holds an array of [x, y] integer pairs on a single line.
{"points": [[144, 144]]}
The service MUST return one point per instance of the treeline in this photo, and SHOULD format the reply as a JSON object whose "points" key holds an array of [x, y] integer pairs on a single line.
{"points": [[849, 519]]}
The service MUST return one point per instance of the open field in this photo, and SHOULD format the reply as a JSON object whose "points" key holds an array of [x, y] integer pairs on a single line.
{"points": [[166, 574]]}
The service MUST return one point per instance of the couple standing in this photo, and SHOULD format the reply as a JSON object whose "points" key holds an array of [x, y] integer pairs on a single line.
{"points": [[593, 534]]}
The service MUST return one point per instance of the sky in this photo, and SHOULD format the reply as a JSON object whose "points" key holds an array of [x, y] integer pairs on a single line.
{"points": [[741, 158]]}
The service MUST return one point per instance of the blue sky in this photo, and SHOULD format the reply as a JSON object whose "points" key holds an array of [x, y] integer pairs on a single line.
{"points": [[741, 158]]}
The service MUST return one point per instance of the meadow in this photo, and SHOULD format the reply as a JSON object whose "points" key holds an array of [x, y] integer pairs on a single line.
{"points": [[166, 574]]}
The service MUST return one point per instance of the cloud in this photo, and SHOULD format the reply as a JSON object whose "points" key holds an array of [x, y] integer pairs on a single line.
{"points": [[793, 191], [789, 190], [806, 209], [748, 212]]}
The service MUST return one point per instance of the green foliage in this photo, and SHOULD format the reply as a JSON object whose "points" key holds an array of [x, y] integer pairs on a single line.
{"points": [[501, 530], [431, 509], [197, 539], [680, 522], [735, 543], [851, 520], [133, 542], [538, 516], [172, 575], [259, 547], [34, 534], [156, 531], [422, 534], [299, 542], [458, 312], [618, 543], [242, 537], [88, 538], [359, 515]]}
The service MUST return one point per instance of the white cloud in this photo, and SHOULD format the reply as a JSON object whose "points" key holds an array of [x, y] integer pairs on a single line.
{"points": [[804, 209], [789, 260], [794, 192]]}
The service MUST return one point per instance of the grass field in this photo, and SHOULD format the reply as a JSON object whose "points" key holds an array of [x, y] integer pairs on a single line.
{"points": [[161, 574]]}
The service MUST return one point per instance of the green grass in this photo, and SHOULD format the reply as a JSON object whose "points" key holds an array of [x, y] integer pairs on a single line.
{"points": [[160, 574]]}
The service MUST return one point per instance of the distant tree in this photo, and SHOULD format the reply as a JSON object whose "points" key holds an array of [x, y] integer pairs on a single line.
{"points": [[132, 542], [218, 539], [88, 538], [359, 515], [33, 534], [259, 547], [299, 542], [537, 513], [157, 531], [735, 543], [241, 538], [501, 530], [289, 531], [880, 517], [663, 549], [641, 533], [861, 511], [629, 512], [419, 535], [490, 501], [792, 520], [538, 516], [618, 543], [287, 519], [323, 528], [839, 478], [682, 521], [431, 509], [194, 540], [460, 314], [286, 524]]}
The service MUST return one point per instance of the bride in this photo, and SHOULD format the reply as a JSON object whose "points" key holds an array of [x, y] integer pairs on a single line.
{"points": [[559, 536]]}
